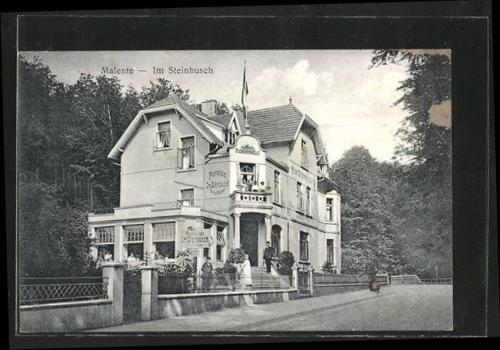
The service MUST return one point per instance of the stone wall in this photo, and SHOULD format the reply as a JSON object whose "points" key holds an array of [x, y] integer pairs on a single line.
{"points": [[65, 317], [182, 304]]}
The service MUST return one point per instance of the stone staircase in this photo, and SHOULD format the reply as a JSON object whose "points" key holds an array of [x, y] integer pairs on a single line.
{"points": [[263, 280]]}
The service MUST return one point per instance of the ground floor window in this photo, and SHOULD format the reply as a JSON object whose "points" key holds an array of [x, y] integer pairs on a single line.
{"points": [[134, 235], [329, 250], [304, 246], [105, 252], [220, 243], [165, 250], [135, 251], [164, 240]]}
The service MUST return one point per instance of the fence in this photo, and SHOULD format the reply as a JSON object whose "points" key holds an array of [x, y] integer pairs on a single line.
{"points": [[448, 280], [41, 290], [219, 282]]}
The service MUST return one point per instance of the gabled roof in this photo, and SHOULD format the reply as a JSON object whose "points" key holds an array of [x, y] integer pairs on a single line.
{"points": [[171, 102], [275, 124], [223, 119]]}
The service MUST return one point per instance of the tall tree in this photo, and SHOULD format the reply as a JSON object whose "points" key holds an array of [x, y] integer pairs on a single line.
{"points": [[368, 236], [424, 203]]}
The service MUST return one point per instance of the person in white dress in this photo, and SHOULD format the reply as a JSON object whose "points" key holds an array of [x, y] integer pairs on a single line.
{"points": [[246, 274]]}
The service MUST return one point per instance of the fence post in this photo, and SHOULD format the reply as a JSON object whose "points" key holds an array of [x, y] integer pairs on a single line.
{"points": [[149, 293], [311, 281], [295, 276], [114, 273]]}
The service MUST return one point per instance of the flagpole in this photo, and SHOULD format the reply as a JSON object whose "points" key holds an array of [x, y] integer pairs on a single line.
{"points": [[244, 92]]}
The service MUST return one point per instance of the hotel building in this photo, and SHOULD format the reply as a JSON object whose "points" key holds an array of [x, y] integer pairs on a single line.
{"points": [[193, 179]]}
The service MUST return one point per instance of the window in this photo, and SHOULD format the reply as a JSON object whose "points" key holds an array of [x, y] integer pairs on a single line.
{"points": [[303, 153], [329, 209], [304, 246], [308, 201], [187, 198], [277, 187], [163, 135], [229, 136], [206, 252], [185, 155], [329, 250], [164, 239], [220, 242], [247, 175], [105, 235], [105, 242], [300, 199], [134, 235]]}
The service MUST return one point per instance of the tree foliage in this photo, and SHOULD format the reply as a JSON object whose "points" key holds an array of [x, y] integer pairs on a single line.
{"points": [[65, 132], [399, 215]]}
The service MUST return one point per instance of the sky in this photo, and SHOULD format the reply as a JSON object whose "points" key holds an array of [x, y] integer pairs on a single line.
{"points": [[352, 104]]}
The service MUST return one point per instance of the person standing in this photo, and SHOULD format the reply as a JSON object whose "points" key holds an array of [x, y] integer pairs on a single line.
{"points": [[246, 273], [206, 274], [268, 256]]}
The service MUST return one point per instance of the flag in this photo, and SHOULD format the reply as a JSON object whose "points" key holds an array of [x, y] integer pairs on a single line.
{"points": [[244, 93], [244, 90]]}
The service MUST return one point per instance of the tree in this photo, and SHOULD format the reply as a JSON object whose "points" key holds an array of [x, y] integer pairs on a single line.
{"points": [[159, 90], [424, 196], [53, 237], [368, 234]]}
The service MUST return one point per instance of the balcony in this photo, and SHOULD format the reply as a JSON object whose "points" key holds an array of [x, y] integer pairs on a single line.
{"points": [[254, 199]]}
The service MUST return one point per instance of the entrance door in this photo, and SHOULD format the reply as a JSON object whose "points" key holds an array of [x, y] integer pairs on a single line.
{"points": [[249, 238]]}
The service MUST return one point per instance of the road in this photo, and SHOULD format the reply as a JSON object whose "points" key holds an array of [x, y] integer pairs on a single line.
{"points": [[405, 308]]}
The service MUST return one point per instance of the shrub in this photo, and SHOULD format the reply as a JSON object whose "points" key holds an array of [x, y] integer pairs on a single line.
{"points": [[285, 263], [236, 256], [327, 267]]}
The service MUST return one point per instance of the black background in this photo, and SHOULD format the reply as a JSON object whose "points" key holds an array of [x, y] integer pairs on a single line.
{"points": [[464, 27]]}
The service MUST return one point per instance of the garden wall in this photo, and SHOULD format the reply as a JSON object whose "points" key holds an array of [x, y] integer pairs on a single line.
{"points": [[170, 305], [325, 284], [66, 316]]}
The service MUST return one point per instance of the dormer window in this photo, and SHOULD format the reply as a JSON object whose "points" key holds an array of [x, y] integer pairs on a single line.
{"points": [[163, 135], [230, 136]]}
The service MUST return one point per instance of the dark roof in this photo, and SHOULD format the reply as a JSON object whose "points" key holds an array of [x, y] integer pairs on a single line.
{"points": [[193, 112], [223, 119], [274, 124]]}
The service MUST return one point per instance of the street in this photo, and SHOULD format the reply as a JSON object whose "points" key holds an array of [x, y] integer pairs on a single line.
{"points": [[404, 307]]}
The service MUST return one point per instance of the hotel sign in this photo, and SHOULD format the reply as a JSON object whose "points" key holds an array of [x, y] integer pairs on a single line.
{"points": [[195, 237], [218, 182], [247, 149]]}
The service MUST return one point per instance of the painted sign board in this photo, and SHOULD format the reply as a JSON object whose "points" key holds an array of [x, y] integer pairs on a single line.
{"points": [[192, 235]]}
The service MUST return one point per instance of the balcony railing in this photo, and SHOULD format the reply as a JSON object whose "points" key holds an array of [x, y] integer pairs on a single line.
{"points": [[185, 203], [253, 198]]}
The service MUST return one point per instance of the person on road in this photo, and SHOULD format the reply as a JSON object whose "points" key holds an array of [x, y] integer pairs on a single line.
{"points": [[206, 274], [268, 256]]}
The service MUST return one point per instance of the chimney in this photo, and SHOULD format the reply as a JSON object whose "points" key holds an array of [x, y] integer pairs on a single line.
{"points": [[208, 107]]}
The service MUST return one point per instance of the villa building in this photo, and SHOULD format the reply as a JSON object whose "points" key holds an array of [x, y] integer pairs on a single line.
{"points": [[193, 179]]}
